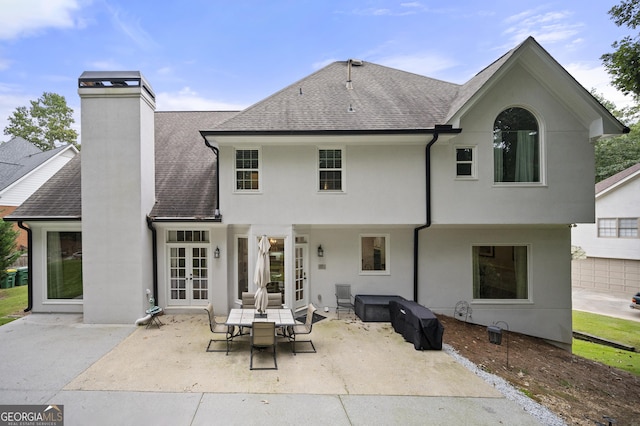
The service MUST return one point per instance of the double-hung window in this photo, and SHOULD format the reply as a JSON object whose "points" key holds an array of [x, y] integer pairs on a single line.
{"points": [[331, 169], [516, 147], [618, 228], [465, 162], [247, 169]]}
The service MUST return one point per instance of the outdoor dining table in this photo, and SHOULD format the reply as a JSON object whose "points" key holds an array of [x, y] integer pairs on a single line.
{"points": [[282, 317]]}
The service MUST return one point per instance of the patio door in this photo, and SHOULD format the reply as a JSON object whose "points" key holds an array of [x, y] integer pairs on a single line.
{"points": [[300, 291], [188, 275]]}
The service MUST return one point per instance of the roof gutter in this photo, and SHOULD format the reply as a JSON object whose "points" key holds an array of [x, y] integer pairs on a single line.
{"points": [[324, 132], [447, 129], [29, 265], [10, 218]]}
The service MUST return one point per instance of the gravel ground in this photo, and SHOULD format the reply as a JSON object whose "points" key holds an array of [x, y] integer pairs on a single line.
{"points": [[538, 411]]}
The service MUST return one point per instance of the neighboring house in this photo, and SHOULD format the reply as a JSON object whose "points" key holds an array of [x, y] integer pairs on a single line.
{"points": [[611, 244], [433, 191], [23, 169]]}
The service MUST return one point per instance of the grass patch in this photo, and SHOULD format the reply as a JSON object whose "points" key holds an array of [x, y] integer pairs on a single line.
{"points": [[617, 358], [12, 302], [619, 330]]}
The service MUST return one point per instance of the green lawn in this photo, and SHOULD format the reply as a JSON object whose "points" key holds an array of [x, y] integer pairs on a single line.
{"points": [[12, 302], [618, 330]]}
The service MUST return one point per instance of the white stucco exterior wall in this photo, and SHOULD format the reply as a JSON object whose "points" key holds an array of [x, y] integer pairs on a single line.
{"points": [[118, 191], [566, 192], [383, 185], [446, 277]]}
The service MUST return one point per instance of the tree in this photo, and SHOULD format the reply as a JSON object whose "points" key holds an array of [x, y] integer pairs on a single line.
{"points": [[618, 153], [46, 124], [624, 63], [8, 252]]}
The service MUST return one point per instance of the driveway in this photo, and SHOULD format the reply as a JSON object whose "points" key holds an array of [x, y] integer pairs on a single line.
{"points": [[604, 303]]}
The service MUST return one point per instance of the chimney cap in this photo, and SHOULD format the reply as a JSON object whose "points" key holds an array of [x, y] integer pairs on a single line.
{"points": [[101, 79]]}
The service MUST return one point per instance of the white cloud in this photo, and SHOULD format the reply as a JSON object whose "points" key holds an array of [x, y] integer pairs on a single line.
{"points": [[596, 77], [188, 100], [132, 28], [545, 27], [23, 18]]}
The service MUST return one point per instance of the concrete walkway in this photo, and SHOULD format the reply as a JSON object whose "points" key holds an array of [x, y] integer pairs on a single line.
{"points": [[363, 374]]}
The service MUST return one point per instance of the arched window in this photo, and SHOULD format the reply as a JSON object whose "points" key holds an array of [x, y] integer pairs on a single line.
{"points": [[516, 147]]}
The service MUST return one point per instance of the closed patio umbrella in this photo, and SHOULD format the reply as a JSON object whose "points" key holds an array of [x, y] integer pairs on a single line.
{"points": [[262, 275]]}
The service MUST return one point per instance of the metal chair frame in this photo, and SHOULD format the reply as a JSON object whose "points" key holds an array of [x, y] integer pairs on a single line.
{"points": [[218, 328], [303, 329], [344, 299]]}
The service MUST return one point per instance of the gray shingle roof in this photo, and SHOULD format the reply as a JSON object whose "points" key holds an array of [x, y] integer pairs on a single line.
{"points": [[615, 179], [59, 197], [185, 173], [185, 166], [382, 98], [19, 157]]}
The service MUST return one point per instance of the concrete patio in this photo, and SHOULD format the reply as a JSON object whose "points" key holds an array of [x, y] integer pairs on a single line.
{"points": [[363, 373]]}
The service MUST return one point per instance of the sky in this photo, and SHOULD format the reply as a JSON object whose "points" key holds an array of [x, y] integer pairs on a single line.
{"points": [[229, 54]]}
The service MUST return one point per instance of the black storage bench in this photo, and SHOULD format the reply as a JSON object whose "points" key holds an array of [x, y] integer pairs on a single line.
{"points": [[417, 324], [374, 307]]}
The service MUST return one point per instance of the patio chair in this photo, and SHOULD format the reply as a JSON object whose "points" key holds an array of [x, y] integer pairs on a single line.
{"points": [[218, 328], [303, 329], [263, 335], [248, 300], [275, 301], [343, 298]]}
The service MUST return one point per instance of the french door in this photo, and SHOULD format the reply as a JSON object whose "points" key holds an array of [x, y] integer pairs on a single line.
{"points": [[300, 291], [188, 275]]}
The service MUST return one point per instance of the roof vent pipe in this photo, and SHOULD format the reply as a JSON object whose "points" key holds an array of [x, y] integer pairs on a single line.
{"points": [[350, 63]]}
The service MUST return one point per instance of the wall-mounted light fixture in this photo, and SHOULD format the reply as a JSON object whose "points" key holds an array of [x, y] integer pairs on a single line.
{"points": [[216, 253], [320, 251]]}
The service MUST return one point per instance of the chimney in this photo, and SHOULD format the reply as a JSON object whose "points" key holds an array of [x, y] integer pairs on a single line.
{"points": [[118, 191]]}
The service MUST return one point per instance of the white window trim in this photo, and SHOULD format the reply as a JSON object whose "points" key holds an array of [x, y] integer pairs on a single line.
{"points": [[528, 300], [342, 169], [387, 255], [474, 162], [45, 296], [236, 272], [542, 146], [235, 171], [617, 227]]}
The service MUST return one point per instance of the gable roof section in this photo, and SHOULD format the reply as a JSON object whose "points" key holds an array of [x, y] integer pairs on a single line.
{"points": [[382, 98], [549, 73], [185, 166], [58, 198], [19, 157], [621, 178], [185, 174]]}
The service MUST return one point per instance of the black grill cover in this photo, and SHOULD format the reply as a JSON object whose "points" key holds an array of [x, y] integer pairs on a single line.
{"points": [[417, 324]]}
